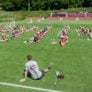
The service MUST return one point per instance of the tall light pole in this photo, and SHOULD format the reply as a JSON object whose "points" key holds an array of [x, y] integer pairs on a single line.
{"points": [[28, 5]]}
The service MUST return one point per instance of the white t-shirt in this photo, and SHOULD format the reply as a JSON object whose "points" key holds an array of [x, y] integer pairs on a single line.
{"points": [[33, 69]]}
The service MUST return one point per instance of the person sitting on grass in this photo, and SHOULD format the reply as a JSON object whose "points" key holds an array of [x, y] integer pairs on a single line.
{"points": [[36, 39], [4, 37], [63, 38], [32, 70], [90, 33], [34, 27]]}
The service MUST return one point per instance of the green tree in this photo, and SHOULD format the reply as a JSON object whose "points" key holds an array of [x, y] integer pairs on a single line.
{"points": [[87, 3], [11, 4], [43, 4]]}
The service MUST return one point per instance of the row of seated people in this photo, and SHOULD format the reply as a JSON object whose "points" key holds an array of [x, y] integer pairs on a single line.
{"points": [[63, 35], [18, 30], [84, 32], [12, 33], [22, 29], [39, 35]]}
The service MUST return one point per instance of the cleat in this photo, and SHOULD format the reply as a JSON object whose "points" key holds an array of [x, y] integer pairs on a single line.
{"points": [[49, 66]]}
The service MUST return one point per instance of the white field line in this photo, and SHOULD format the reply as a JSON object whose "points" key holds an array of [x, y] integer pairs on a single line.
{"points": [[28, 87]]}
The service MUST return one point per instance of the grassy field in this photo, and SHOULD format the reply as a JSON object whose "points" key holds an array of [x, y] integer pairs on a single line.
{"points": [[74, 59], [20, 15]]}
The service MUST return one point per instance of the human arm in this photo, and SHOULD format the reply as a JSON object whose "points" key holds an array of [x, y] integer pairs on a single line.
{"points": [[24, 76]]}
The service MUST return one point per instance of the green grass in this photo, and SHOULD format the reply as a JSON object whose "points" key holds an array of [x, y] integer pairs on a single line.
{"points": [[20, 15], [74, 59]]}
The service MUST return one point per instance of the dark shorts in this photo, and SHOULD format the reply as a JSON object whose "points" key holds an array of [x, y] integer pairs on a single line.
{"points": [[29, 76]]}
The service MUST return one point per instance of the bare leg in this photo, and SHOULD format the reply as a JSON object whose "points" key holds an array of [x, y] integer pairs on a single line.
{"points": [[47, 69]]}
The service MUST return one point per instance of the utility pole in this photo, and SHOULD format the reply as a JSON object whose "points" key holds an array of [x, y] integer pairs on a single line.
{"points": [[28, 5]]}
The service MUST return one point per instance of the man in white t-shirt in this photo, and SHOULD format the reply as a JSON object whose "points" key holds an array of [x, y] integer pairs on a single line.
{"points": [[32, 70]]}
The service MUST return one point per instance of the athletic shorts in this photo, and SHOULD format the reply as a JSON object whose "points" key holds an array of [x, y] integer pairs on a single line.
{"points": [[29, 76]]}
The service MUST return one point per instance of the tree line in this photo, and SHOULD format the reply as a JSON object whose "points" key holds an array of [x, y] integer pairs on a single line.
{"points": [[13, 5]]}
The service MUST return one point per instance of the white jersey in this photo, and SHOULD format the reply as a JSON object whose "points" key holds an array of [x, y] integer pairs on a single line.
{"points": [[33, 69]]}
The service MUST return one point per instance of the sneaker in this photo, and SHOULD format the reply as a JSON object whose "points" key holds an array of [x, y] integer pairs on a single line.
{"points": [[49, 66], [57, 73]]}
